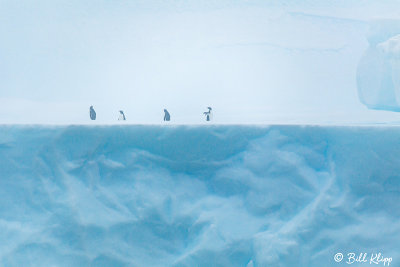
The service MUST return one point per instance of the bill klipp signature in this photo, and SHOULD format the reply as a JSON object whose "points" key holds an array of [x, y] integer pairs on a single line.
{"points": [[367, 258]]}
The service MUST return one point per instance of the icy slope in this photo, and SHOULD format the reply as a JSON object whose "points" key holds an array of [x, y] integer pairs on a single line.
{"points": [[197, 196], [378, 71]]}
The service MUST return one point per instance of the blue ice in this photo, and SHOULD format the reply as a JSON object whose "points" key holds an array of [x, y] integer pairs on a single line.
{"points": [[197, 195]]}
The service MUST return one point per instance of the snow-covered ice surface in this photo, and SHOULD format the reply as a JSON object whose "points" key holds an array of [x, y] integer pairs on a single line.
{"points": [[252, 61], [197, 195]]}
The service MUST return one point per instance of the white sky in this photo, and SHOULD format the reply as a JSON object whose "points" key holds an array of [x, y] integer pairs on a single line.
{"points": [[252, 61]]}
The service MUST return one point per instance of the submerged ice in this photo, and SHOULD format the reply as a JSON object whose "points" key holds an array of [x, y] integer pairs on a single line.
{"points": [[197, 196]]}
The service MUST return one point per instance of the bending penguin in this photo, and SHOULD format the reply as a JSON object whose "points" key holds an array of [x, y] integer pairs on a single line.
{"points": [[92, 113], [121, 116], [208, 114], [167, 116]]}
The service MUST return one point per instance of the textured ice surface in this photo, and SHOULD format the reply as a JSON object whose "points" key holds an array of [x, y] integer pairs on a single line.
{"points": [[197, 196], [378, 74]]}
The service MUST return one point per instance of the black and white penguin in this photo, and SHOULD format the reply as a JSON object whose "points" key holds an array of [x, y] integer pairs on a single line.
{"points": [[167, 116], [92, 113], [121, 116], [208, 114]]}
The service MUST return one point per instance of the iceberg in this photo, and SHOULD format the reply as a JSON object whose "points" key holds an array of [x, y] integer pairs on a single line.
{"points": [[378, 73], [129, 195]]}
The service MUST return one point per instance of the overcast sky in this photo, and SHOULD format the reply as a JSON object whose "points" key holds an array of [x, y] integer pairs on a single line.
{"points": [[252, 61]]}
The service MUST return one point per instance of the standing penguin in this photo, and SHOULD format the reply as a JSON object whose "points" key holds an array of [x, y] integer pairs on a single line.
{"points": [[208, 114], [121, 116], [92, 113], [167, 117]]}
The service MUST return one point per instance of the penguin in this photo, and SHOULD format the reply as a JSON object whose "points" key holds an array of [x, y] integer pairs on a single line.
{"points": [[208, 114], [92, 113], [167, 116], [121, 116]]}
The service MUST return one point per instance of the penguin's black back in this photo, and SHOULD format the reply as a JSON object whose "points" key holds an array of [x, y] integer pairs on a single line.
{"points": [[92, 114]]}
